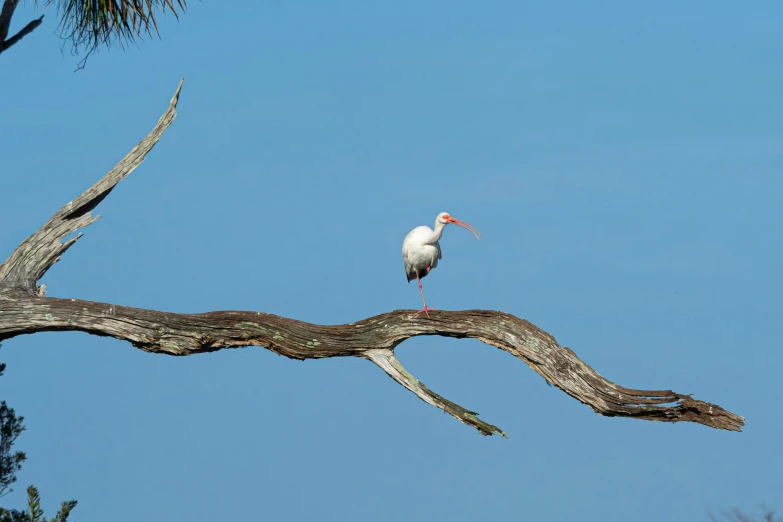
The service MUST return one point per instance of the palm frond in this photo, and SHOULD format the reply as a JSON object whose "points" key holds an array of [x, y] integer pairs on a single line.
{"points": [[95, 23]]}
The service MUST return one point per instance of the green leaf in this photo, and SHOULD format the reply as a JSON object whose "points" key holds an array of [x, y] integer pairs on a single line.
{"points": [[65, 510], [34, 513]]}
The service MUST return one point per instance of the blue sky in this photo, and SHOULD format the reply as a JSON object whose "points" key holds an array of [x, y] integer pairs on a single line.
{"points": [[622, 160]]}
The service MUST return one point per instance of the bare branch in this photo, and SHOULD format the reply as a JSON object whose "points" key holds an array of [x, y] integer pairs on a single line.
{"points": [[373, 338], [30, 261], [386, 360], [25, 310], [27, 29], [7, 13]]}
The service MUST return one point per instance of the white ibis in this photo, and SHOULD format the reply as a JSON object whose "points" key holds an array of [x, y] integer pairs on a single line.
{"points": [[421, 250]]}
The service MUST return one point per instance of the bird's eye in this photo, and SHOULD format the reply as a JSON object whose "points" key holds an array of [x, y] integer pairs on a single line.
{"points": [[446, 216]]}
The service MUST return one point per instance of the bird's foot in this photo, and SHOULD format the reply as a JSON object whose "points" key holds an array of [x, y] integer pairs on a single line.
{"points": [[424, 310]]}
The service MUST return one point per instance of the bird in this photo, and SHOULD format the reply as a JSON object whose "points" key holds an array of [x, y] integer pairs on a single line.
{"points": [[421, 251]]}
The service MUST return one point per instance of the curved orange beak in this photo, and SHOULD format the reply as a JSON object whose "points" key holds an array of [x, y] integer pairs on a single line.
{"points": [[466, 226]]}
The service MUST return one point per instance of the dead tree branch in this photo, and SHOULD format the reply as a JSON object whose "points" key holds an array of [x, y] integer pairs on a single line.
{"points": [[24, 309], [6, 14]]}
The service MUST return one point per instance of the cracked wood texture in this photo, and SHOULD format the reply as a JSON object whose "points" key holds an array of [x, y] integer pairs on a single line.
{"points": [[24, 309]]}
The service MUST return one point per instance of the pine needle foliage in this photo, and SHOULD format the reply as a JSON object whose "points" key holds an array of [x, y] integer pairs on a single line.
{"points": [[10, 462], [34, 511], [90, 24]]}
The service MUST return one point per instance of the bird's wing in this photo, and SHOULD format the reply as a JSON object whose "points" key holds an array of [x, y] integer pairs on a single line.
{"points": [[410, 272], [405, 259]]}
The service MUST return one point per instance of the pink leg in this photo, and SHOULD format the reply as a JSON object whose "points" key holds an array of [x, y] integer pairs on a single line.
{"points": [[421, 289]]}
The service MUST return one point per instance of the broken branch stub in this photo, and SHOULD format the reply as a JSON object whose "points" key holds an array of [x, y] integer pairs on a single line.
{"points": [[30, 261], [24, 310]]}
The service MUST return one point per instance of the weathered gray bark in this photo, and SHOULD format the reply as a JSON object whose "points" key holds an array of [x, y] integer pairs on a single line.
{"points": [[25, 309]]}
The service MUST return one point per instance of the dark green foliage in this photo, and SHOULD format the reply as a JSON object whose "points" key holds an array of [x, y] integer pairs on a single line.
{"points": [[34, 512], [10, 462], [10, 428]]}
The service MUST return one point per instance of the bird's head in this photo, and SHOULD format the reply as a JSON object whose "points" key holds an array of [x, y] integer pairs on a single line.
{"points": [[444, 218]]}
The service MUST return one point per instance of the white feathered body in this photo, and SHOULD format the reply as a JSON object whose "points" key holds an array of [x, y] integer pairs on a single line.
{"points": [[420, 250]]}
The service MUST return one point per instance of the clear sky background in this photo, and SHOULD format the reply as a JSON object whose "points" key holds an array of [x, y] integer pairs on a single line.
{"points": [[624, 161]]}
